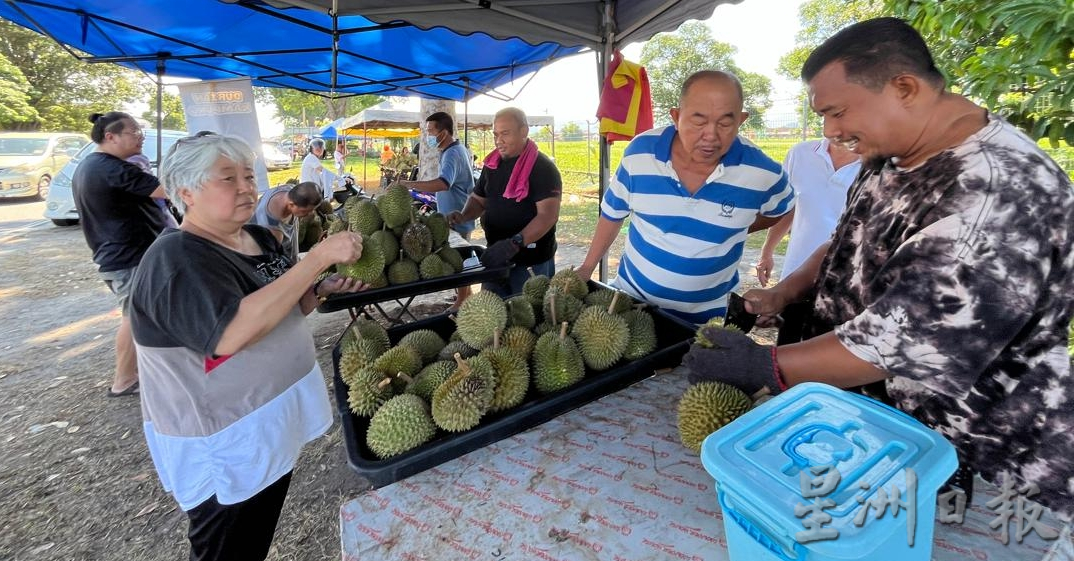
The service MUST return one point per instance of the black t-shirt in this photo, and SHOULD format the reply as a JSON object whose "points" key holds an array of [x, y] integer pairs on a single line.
{"points": [[504, 218], [188, 289], [118, 217]]}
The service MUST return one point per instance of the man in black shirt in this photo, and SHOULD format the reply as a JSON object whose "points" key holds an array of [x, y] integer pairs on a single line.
{"points": [[120, 220], [517, 198]]}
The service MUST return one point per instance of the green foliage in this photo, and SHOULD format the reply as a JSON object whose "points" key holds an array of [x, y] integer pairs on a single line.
{"points": [[571, 131], [669, 58], [298, 108], [63, 90], [15, 108], [172, 107], [1016, 57]]}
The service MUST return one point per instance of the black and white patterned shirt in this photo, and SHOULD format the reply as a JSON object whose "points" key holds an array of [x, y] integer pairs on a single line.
{"points": [[957, 277]]}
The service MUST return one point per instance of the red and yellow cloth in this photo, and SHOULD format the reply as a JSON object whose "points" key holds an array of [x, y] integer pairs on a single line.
{"points": [[626, 106]]}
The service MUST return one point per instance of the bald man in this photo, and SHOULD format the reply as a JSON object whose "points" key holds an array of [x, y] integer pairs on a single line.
{"points": [[692, 190]]}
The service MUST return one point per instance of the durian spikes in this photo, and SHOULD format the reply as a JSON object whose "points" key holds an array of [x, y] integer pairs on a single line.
{"points": [[563, 331], [611, 306]]}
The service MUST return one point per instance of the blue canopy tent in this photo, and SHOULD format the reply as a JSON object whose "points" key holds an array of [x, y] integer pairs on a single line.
{"points": [[331, 131], [292, 48]]}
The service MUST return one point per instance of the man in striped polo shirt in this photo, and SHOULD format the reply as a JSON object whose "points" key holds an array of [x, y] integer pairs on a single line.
{"points": [[695, 190]]}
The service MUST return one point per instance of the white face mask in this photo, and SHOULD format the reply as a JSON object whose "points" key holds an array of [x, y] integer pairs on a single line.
{"points": [[432, 141]]}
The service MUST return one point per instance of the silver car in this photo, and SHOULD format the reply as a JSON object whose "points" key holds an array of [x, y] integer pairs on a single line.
{"points": [[30, 160], [60, 205]]}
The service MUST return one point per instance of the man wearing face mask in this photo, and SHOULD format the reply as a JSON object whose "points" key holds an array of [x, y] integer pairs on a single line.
{"points": [[693, 191]]}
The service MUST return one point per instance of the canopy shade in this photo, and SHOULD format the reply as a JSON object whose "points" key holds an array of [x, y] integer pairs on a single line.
{"points": [[578, 23], [284, 48]]}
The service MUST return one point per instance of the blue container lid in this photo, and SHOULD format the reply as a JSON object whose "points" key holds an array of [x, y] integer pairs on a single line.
{"points": [[758, 458]]}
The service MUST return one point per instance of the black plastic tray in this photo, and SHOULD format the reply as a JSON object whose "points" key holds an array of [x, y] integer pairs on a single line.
{"points": [[673, 339], [475, 275]]}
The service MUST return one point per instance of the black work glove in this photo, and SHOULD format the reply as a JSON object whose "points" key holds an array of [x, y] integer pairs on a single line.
{"points": [[729, 356], [499, 254]]}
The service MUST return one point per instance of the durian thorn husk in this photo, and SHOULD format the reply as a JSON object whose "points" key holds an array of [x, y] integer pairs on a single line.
{"points": [[464, 367], [384, 383], [404, 377], [563, 331], [615, 298]]}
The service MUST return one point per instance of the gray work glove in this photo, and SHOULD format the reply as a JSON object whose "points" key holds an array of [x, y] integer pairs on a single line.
{"points": [[727, 355]]}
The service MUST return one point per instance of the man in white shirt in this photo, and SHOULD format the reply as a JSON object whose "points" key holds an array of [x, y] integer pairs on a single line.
{"points": [[821, 173], [313, 171]]}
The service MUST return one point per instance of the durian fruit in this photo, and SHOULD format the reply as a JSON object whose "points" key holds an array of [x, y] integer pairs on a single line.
{"points": [[398, 230], [642, 339], [603, 297], [417, 241], [534, 289], [366, 328], [438, 227], [461, 401], [602, 335], [361, 345], [335, 225], [707, 406], [451, 256], [350, 206], [520, 312], [560, 306], [456, 347], [716, 323], [379, 282], [520, 340], [479, 317], [557, 363], [399, 359], [544, 327], [388, 244], [512, 375], [426, 341], [367, 391], [401, 424], [363, 216], [394, 206], [430, 378], [569, 281], [433, 267], [369, 266], [403, 270]]}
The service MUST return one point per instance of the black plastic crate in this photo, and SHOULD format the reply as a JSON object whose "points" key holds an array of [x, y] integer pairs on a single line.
{"points": [[673, 339], [474, 275]]}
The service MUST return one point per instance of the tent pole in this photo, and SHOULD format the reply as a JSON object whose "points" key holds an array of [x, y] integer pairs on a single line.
{"points": [[605, 154], [466, 113], [365, 144], [160, 109], [553, 137]]}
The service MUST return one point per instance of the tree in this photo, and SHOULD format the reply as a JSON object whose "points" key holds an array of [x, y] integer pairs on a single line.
{"points": [[292, 106], [1016, 57], [15, 108], [819, 20], [571, 131], [669, 58], [172, 105], [63, 90]]}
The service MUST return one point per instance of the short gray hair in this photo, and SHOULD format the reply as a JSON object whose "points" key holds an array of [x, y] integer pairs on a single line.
{"points": [[513, 113], [189, 160]]}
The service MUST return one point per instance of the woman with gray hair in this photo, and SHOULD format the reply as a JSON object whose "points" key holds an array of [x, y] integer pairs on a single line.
{"points": [[230, 385]]}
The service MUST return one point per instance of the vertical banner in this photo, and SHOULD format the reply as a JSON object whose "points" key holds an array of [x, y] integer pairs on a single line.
{"points": [[226, 107]]}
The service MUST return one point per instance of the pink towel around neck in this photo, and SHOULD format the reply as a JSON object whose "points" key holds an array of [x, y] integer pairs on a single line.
{"points": [[518, 186]]}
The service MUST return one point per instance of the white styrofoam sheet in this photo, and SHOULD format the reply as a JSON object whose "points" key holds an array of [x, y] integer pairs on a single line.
{"points": [[608, 481]]}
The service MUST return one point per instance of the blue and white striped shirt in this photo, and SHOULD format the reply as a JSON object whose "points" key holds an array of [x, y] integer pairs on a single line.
{"points": [[682, 250]]}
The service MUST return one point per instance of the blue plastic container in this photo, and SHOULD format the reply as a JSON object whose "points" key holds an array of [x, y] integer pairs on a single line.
{"points": [[757, 461]]}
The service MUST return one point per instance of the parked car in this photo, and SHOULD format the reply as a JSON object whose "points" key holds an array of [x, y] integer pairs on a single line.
{"points": [[274, 157], [60, 205], [30, 160]]}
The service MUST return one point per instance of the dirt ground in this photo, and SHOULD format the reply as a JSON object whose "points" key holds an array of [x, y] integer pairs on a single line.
{"points": [[76, 480]]}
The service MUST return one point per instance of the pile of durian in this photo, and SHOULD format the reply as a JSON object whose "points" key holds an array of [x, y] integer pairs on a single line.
{"points": [[543, 340], [399, 244]]}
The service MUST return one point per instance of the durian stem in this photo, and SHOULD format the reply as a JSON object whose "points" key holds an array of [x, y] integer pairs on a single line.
{"points": [[563, 331], [553, 297], [496, 338], [615, 298], [384, 383], [530, 271], [463, 366], [404, 377]]}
